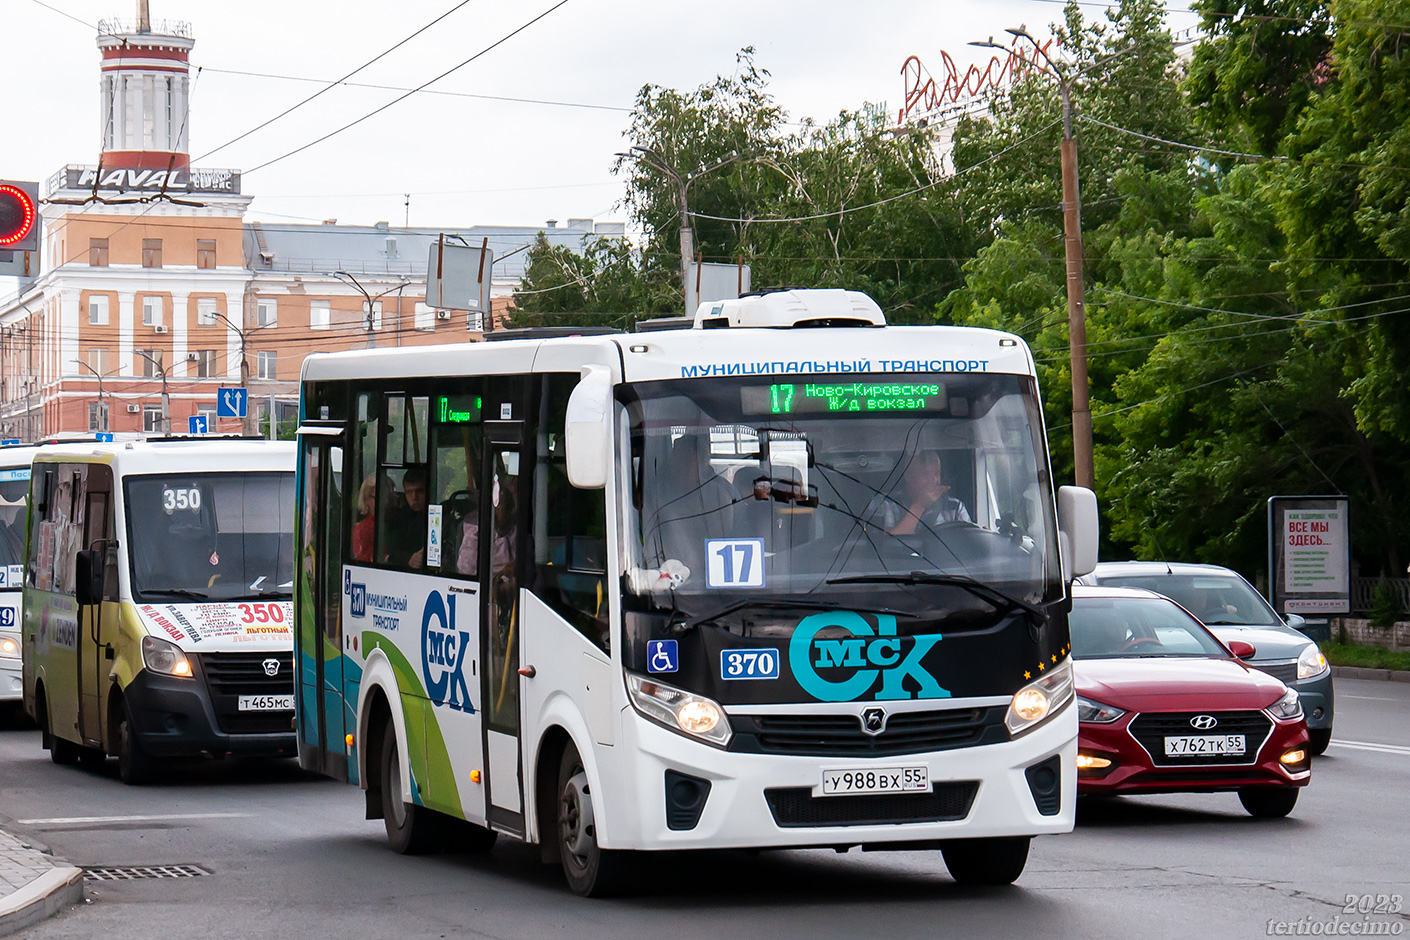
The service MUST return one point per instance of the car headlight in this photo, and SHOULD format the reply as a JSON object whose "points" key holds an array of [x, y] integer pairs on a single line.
{"points": [[1287, 707], [1311, 663], [1039, 699], [679, 710], [1096, 712], [9, 648], [165, 657]]}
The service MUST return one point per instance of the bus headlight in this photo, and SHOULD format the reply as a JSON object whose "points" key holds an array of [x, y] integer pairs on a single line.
{"points": [[1039, 699], [9, 648], [165, 657], [679, 710], [1311, 663]]}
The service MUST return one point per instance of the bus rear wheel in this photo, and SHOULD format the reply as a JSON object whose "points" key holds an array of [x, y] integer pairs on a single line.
{"points": [[411, 829], [997, 861], [61, 752], [591, 870]]}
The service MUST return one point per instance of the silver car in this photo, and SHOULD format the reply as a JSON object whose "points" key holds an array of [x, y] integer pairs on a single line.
{"points": [[1233, 610]]}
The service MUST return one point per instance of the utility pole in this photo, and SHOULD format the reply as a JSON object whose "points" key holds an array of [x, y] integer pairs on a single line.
{"points": [[166, 399], [370, 299], [244, 367], [102, 403], [1084, 470]]}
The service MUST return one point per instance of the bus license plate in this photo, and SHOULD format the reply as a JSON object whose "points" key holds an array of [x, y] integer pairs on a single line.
{"points": [[1211, 744], [875, 780], [266, 703]]}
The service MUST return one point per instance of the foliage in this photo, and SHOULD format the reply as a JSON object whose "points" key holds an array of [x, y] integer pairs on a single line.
{"points": [[1367, 657], [1385, 606]]}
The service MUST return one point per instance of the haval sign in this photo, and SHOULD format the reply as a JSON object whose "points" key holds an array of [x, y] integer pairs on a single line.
{"points": [[127, 180]]}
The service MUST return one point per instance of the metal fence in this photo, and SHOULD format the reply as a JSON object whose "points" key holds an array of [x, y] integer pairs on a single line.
{"points": [[1363, 592]]}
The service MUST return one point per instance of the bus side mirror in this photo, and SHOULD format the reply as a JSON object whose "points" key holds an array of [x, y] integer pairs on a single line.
{"points": [[88, 577], [1078, 531], [588, 435]]}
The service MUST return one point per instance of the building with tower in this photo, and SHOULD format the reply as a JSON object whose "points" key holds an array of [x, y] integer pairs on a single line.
{"points": [[154, 292]]}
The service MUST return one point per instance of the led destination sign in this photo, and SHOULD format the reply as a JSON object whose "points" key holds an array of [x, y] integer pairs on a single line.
{"points": [[458, 409], [861, 397]]}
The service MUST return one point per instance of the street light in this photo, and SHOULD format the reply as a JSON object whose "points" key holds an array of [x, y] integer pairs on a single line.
{"points": [[371, 298], [244, 360], [102, 405], [166, 399], [1083, 467], [654, 160]]}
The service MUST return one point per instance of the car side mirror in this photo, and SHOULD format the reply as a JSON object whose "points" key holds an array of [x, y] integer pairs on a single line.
{"points": [[1242, 650], [88, 577], [588, 435], [1078, 531], [1296, 621]]}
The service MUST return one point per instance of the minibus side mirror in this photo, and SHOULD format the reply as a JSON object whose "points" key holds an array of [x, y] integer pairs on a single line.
{"points": [[589, 433], [88, 577], [1078, 531]]}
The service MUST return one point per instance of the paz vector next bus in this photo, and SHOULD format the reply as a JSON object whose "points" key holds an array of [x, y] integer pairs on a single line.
{"points": [[781, 576], [157, 600]]}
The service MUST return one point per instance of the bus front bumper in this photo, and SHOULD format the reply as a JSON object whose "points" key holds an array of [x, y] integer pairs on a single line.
{"points": [[774, 801], [174, 717]]}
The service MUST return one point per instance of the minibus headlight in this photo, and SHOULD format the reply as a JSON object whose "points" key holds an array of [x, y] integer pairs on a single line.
{"points": [[679, 710], [165, 657], [9, 648], [1039, 699]]}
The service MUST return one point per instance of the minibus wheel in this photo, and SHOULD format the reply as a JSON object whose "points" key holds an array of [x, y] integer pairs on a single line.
{"points": [[591, 871], [61, 752], [134, 764], [995, 861], [411, 829]]}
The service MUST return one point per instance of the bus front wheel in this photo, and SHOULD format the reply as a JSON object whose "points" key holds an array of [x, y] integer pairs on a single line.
{"points": [[995, 861], [134, 763], [411, 829], [591, 870]]}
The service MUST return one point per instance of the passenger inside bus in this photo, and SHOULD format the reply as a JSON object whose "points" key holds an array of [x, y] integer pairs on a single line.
{"points": [[362, 531], [406, 530]]}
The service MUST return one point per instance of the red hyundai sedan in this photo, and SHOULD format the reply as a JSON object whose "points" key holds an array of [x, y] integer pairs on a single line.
{"points": [[1164, 707]]}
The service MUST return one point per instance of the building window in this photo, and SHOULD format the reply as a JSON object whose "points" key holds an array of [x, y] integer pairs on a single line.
{"points": [[319, 315], [205, 311], [425, 317], [205, 252], [152, 418], [151, 252], [97, 416], [205, 363], [208, 412], [145, 362], [151, 311], [267, 312], [266, 362], [98, 309], [98, 360], [376, 315], [98, 252]]}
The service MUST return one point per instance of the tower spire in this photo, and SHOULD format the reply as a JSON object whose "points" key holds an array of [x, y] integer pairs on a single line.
{"points": [[144, 17]]}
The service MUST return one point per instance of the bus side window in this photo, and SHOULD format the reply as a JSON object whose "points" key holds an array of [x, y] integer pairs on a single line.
{"points": [[362, 501], [570, 550]]}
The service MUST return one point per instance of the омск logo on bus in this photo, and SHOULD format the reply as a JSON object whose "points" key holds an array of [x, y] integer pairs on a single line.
{"points": [[869, 652], [443, 649]]}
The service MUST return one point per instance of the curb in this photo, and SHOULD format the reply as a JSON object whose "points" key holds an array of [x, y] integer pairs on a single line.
{"points": [[1365, 672], [43, 897]]}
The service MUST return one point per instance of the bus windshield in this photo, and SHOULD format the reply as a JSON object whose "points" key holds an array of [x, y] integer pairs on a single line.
{"points": [[211, 536], [872, 486], [14, 497]]}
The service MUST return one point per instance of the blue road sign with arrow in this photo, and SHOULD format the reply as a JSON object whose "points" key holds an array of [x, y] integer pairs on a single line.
{"points": [[231, 402], [196, 424]]}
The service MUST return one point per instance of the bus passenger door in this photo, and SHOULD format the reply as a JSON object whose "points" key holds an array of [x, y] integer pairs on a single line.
{"points": [[319, 601], [502, 504], [97, 622]]}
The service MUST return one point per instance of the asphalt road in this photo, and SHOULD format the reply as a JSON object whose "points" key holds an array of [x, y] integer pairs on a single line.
{"points": [[289, 855]]}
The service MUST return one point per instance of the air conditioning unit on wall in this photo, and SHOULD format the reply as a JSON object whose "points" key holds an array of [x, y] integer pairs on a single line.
{"points": [[134, 409], [442, 314], [159, 328]]}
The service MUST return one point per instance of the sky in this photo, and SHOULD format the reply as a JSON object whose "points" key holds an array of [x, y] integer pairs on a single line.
{"points": [[467, 160]]}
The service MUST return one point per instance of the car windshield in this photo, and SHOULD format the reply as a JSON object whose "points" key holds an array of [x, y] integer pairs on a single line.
{"points": [[1217, 600], [211, 536], [14, 497], [1136, 627], [743, 489]]}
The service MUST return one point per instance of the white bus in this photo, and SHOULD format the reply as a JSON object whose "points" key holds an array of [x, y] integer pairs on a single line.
{"points": [[783, 576], [157, 601], [14, 498]]}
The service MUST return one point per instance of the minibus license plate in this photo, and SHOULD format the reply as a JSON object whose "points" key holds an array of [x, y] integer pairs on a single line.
{"points": [[875, 780], [1211, 744], [266, 703]]}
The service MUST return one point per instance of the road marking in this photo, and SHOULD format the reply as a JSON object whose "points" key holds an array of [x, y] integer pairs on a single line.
{"points": [[63, 820], [1370, 698], [1372, 746]]}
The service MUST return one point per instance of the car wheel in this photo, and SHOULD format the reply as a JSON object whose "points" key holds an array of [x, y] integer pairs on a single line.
{"points": [[411, 829], [1318, 739], [1268, 802], [134, 763], [986, 861], [591, 870]]}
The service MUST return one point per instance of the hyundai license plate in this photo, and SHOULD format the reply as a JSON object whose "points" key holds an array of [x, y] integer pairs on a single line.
{"points": [[875, 780], [266, 703], [1215, 745]]}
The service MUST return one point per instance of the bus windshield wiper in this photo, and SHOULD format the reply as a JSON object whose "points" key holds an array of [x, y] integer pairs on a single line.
{"points": [[180, 592], [776, 604], [259, 596], [978, 588]]}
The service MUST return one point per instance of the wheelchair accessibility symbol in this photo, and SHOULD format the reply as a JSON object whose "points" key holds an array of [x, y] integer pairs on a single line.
{"points": [[661, 656]]}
